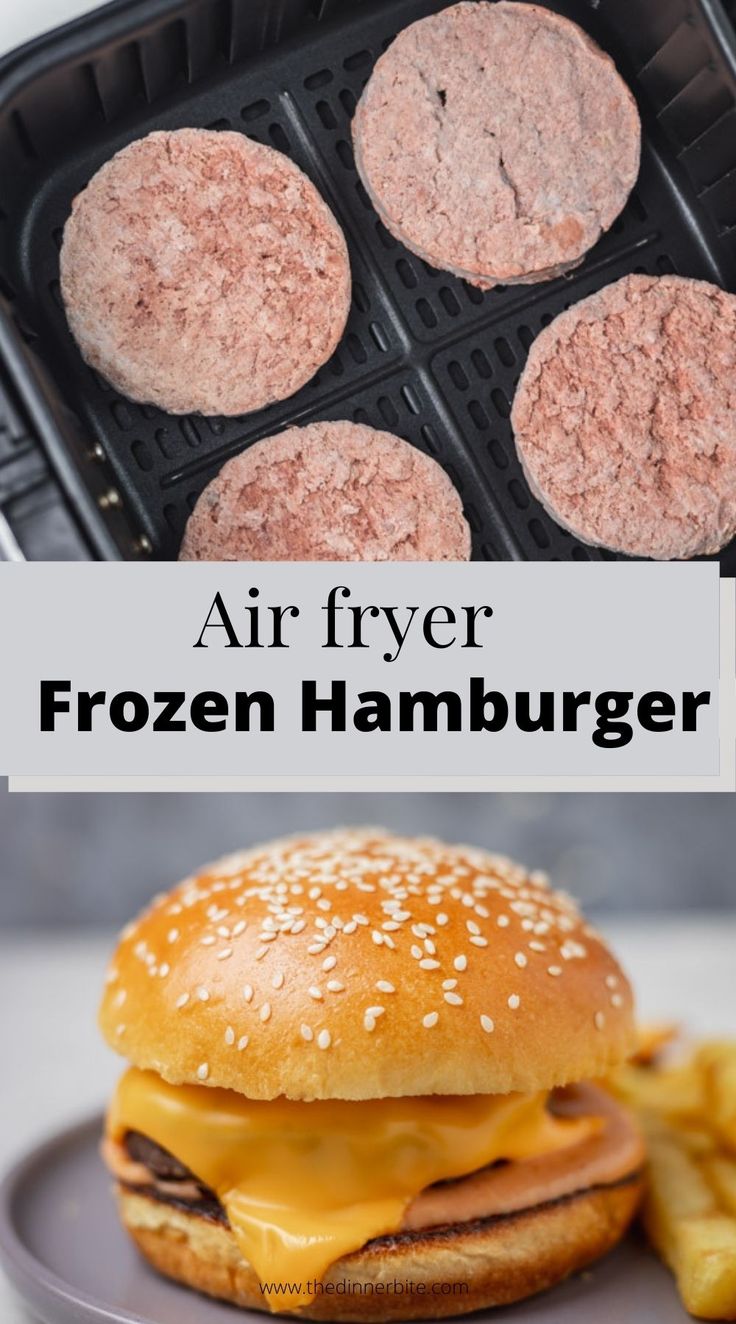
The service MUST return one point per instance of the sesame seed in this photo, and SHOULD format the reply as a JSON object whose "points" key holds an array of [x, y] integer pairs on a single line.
{"points": [[223, 955], [120, 1029], [616, 1000], [429, 947], [335, 986], [350, 927], [329, 963], [243, 1042], [229, 1035], [478, 941], [369, 1022], [120, 997], [449, 983], [377, 937], [472, 927], [182, 1000], [429, 964], [307, 1033], [278, 979], [248, 992], [203, 1071], [416, 952], [173, 934], [514, 1001], [430, 1019], [223, 931], [520, 960], [375, 1011], [324, 1039], [554, 969], [361, 919], [487, 1024], [265, 1011], [239, 928], [261, 953], [571, 950], [599, 1020], [611, 981], [299, 926], [460, 962], [503, 921], [315, 993], [441, 918], [203, 994], [535, 946], [209, 940], [316, 948], [383, 986], [454, 999]]}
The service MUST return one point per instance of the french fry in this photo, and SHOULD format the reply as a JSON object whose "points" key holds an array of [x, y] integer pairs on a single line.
{"points": [[651, 1038], [688, 1114], [717, 1060], [698, 1140], [684, 1220], [721, 1173], [678, 1092]]}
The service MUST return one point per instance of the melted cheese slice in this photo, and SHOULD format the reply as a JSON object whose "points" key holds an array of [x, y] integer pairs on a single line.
{"points": [[303, 1184]]}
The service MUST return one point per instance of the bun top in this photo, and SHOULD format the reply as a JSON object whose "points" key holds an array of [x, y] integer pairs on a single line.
{"points": [[360, 965]]}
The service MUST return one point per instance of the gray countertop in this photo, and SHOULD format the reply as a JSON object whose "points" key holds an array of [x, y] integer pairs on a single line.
{"points": [[57, 1069]]}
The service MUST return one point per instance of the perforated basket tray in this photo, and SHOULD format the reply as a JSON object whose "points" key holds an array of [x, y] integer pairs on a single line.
{"points": [[424, 354]]}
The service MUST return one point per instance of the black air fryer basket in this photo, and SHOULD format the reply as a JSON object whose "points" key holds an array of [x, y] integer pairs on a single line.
{"points": [[85, 473]]}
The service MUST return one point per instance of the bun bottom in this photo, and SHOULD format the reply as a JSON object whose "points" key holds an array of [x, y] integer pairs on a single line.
{"points": [[442, 1271]]}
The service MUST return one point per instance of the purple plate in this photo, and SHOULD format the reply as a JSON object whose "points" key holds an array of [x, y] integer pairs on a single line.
{"points": [[67, 1256]]}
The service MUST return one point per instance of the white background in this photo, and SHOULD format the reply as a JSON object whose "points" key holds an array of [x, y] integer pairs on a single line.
{"points": [[22, 19]]}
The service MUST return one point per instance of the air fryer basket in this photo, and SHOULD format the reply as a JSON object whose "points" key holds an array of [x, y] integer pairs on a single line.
{"points": [[424, 354]]}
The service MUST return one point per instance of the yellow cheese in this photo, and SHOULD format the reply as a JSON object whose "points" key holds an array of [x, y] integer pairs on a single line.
{"points": [[303, 1184]]}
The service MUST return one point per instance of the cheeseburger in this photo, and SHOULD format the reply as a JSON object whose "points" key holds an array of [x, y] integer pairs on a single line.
{"points": [[360, 1081]]}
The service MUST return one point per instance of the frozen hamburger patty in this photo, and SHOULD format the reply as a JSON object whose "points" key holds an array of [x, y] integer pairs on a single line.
{"points": [[328, 492], [202, 272], [625, 417], [497, 141]]}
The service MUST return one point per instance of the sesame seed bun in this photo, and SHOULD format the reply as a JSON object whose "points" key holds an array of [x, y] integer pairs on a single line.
{"points": [[359, 965], [495, 1261]]}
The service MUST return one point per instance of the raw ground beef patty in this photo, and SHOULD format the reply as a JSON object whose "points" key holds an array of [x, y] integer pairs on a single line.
{"points": [[328, 492], [625, 417], [202, 272], [497, 141]]}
